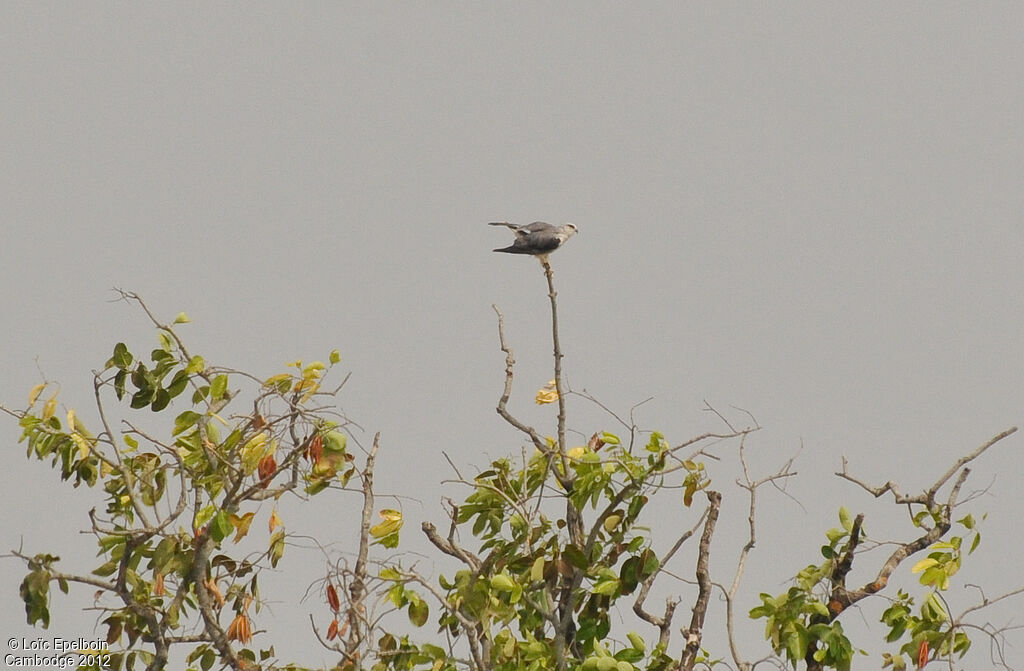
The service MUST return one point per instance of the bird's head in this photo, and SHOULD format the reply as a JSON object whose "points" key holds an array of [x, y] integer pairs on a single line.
{"points": [[569, 230]]}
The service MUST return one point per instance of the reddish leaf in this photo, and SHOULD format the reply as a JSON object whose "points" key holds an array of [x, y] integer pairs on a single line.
{"points": [[332, 598], [332, 631], [240, 629], [114, 631], [922, 654], [315, 450], [267, 468]]}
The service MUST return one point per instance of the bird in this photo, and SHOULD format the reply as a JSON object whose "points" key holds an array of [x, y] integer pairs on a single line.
{"points": [[537, 239]]}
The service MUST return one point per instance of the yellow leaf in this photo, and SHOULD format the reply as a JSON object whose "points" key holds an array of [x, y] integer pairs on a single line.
{"points": [[71, 419], [83, 445], [255, 449], [547, 394], [275, 521], [924, 565], [314, 369], [391, 524], [309, 394], [537, 571], [273, 380], [576, 452], [241, 525], [50, 407], [304, 384], [34, 393], [384, 529], [256, 442]]}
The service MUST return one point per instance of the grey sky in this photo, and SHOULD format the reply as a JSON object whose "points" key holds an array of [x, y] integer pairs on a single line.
{"points": [[808, 211]]}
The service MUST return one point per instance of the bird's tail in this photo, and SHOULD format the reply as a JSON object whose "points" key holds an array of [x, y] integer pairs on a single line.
{"points": [[503, 223], [512, 250]]}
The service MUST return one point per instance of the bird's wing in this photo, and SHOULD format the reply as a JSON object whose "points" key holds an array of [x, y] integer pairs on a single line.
{"points": [[514, 227], [538, 238], [538, 227]]}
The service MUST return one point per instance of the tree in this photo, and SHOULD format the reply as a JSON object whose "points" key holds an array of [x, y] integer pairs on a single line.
{"points": [[544, 549]]}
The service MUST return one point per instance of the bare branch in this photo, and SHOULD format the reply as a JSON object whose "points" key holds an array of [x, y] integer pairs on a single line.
{"points": [[663, 623], [928, 496], [741, 562], [695, 631], [357, 589], [502, 408]]}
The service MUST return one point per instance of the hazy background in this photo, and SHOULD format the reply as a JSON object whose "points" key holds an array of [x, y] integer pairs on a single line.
{"points": [[807, 211]]}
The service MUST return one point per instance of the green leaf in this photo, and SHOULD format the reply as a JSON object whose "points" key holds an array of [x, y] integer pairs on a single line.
{"points": [[178, 383], [196, 365], [655, 444], [575, 556], [276, 547], [185, 421], [845, 519], [218, 387], [182, 318], [390, 573], [834, 535], [160, 400], [318, 485], [35, 593], [419, 611], [651, 563], [606, 587], [502, 582], [335, 442], [204, 515], [200, 393], [119, 380], [636, 641], [220, 527], [122, 357], [335, 356], [106, 569], [818, 608], [142, 398]]}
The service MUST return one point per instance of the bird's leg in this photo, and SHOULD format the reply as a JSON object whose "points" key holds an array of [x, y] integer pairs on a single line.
{"points": [[543, 258]]}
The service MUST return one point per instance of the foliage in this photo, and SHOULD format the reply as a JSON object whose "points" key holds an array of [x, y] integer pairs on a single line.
{"points": [[179, 503], [547, 552]]}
